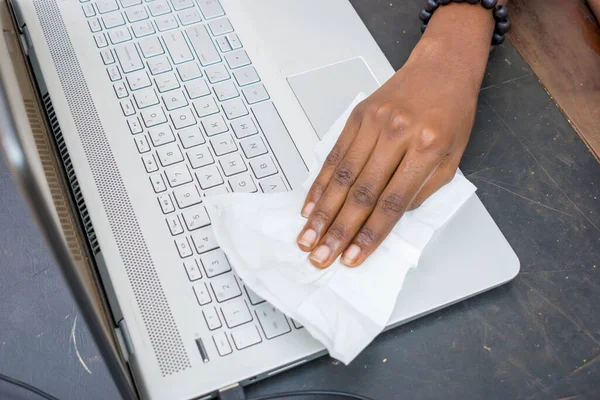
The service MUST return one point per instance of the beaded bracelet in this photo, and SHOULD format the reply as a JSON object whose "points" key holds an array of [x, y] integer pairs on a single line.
{"points": [[500, 16]]}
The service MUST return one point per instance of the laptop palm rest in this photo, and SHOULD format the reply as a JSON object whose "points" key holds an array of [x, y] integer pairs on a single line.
{"points": [[325, 93]]}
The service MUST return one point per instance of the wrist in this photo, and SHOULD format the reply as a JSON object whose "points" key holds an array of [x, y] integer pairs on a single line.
{"points": [[458, 36]]}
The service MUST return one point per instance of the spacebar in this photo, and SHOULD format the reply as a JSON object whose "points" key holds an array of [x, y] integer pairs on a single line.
{"points": [[281, 142]]}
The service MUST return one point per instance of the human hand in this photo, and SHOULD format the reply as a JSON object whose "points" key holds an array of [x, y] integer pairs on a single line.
{"points": [[398, 147]]}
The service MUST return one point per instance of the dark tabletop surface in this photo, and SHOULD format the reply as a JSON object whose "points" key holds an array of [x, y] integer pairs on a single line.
{"points": [[537, 337]]}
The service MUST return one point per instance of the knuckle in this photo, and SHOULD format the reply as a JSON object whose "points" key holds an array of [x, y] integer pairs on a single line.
{"points": [[343, 177], [383, 110], [366, 237], [392, 204], [337, 232], [333, 158], [319, 216], [429, 140], [363, 195]]}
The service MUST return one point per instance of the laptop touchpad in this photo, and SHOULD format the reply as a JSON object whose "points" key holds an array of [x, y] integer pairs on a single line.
{"points": [[326, 92]]}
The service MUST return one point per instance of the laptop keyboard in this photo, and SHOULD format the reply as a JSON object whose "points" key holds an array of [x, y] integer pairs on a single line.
{"points": [[194, 105]]}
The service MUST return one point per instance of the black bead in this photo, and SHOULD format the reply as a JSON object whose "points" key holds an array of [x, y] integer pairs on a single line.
{"points": [[444, 2], [503, 27], [472, 1], [500, 13], [431, 5], [489, 4], [424, 16], [498, 39], [423, 27]]}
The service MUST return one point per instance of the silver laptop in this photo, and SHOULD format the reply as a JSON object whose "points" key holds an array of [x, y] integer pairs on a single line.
{"points": [[154, 105]]}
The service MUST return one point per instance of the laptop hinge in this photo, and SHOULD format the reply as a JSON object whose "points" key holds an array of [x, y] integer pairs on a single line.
{"points": [[15, 10], [124, 340]]}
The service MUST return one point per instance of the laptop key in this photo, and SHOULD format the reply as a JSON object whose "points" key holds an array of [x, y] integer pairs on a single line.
{"points": [[184, 249], [189, 16], [158, 183], [189, 71], [129, 3], [199, 88], [142, 144], [182, 118], [223, 144], [195, 217], [235, 108], [263, 166], [94, 24], [166, 23], [209, 177], [273, 184], [232, 164], [88, 10], [246, 76], [113, 73], [223, 44], [225, 91], [191, 137], [177, 47], [166, 81], [127, 107], [237, 59], [187, 196], [234, 41], [242, 183], [158, 65], [200, 157], [202, 294], [107, 56], [204, 240], [246, 337], [161, 135], [119, 35], [151, 47], [159, 7], [192, 269], [212, 318], [134, 125], [169, 154], [166, 204], [215, 263], [255, 93], [235, 312], [253, 146], [214, 125], [113, 20], [105, 6], [129, 58], [253, 297], [135, 14], [100, 39], [174, 100], [244, 127], [149, 163], [203, 45], [211, 8], [138, 80], [141, 29], [272, 321], [145, 98], [217, 73], [174, 224], [153, 116], [222, 344], [220, 26], [178, 175], [182, 4]]}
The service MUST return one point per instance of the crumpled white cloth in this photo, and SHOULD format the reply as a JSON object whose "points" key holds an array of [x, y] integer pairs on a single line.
{"points": [[343, 308]]}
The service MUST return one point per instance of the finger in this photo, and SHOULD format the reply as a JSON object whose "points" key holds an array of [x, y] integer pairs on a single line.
{"points": [[362, 197], [328, 206], [440, 178], [332, 161], [407, 181]]}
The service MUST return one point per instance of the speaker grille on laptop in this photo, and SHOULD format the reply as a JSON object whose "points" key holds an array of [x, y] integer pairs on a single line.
{"points": [[151, 300]]}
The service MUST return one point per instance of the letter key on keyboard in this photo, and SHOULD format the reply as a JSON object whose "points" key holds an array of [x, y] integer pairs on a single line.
{"points": [[272, 321]]}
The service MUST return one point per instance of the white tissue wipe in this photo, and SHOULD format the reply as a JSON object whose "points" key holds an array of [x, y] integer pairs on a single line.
{"points": [[343, 308]]}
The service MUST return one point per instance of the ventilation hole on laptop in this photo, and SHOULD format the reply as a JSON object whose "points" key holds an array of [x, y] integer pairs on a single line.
{"points": [[147, 288]]}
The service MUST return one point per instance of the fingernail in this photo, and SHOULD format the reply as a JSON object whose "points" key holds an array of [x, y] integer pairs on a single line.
{"points": [[351, 255], [308, 209], [308, 238], [321, 254]]}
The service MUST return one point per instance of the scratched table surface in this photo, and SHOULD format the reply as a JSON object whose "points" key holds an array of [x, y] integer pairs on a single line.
{"points": [[537, 337]]}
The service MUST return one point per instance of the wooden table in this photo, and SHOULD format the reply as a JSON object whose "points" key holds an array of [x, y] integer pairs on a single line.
{"points": [[535, 338]]}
